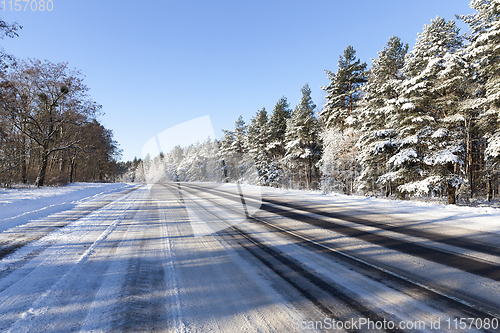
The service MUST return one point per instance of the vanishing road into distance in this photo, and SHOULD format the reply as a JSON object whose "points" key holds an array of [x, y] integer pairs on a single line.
{"points": [[198, 257]]}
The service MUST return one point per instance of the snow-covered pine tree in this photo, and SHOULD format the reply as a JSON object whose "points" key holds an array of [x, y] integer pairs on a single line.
{"points": [[303, 147], [483, 52], [343, 92], [431, 133], [257, 141], [376, 113], [258, 134], [277, 128], [338, 116], [276, 145], [233, 151], [240, 136]]}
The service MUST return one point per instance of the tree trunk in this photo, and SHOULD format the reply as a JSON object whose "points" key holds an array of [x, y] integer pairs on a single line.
{"points": [[490, 189], [24, 168], [43, 168], [226, 180], [469, 158], [452, 199], [62, 164], [71, 169], [309, 173]]}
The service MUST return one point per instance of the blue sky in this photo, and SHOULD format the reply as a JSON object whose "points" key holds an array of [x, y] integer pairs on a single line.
{"points": [[155, 64]]}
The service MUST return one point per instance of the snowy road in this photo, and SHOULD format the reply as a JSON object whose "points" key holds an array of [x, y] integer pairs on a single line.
{"points": [[143, 260]]}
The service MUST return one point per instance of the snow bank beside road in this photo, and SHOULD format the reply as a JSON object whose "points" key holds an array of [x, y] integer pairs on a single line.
{"points": [[19, 206]]}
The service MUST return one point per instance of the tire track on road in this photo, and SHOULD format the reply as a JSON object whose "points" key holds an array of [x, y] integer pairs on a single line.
{"points": [[465, 305], [13, 239], [336, 305], [458, 261]]}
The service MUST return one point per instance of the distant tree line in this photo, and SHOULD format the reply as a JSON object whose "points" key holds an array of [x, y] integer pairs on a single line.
{"points": [[49, 133], [423, 122]]}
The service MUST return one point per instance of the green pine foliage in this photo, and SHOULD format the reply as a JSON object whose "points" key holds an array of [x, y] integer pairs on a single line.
{"points": [[257, 141], [303, 147], [431, 133], [378, 108], [277, 128], [344, 91]]}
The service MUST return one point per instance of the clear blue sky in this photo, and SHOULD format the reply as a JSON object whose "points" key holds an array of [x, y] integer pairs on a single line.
{"points": [[155, 64]]}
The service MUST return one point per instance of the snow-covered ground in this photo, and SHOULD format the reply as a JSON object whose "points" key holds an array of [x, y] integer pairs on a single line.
{"points": [[19, 206], [133, 261]]}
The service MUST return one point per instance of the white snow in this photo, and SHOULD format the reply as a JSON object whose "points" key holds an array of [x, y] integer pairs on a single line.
{"points": [[407, 106], [443, 157], [384, 132], [19, 206], [493, 149], [404, 156], [440, 133], [421, 188]]}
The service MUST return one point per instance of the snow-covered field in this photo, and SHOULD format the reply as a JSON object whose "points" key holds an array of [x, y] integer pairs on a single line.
{"points": [[126, 257]]}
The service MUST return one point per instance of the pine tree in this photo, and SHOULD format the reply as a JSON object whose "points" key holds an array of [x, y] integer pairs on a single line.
{"points": [[303, 148], [343, 92], [277, 139], [376, 111], [240, 134], [431, 125], [233, 151], [258, 139], [258, 134], [277, 128]]}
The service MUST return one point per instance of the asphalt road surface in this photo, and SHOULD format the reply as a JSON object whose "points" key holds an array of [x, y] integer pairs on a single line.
{"points": [[184, 257]]}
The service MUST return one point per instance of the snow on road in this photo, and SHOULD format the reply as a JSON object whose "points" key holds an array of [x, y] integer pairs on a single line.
{"points": [[119, 257], [472, 218], [134, 265], [18, 206]]}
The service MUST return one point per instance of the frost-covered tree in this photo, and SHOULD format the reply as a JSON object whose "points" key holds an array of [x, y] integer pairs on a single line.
{"points": [[431, 132], [197, 162], [233, 151], [235, 141], [343, 92], [303, 147], [277, 128], [258, 139], [240, 134], [338, 164], [277, 140], [258, 133], [377, 112]]}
